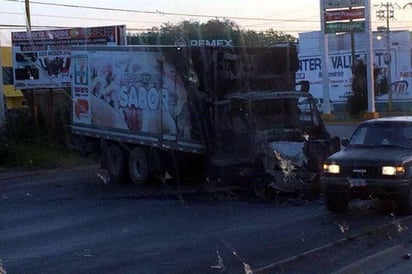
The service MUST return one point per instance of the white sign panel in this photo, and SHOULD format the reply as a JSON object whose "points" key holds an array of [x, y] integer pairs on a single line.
{"points": [[41, 59], [340, 75]]}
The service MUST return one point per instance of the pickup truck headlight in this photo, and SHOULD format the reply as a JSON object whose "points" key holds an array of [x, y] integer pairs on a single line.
{"points": [[331, 168], [393, 170]]}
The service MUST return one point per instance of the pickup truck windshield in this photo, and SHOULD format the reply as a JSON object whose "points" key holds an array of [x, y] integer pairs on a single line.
{"points": [[275, 113], [383, 134]]}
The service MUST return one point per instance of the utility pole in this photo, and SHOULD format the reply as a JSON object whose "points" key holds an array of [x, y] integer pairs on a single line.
{"points": [[387, 12], [2, 103]]}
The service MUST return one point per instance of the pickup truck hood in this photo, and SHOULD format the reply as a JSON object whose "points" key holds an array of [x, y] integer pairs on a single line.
{"points": [[365, 155]]}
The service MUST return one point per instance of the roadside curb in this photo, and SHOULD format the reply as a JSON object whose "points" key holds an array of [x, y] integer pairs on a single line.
{"points": [[350, 268], [375, 262], [10, 174], [13, 174]]}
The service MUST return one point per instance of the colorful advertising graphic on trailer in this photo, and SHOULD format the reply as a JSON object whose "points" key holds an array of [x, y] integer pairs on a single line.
{"points": [[41, 59], [132, 90]]}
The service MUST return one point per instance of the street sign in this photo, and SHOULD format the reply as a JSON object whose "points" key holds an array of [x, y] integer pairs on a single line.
{"points": [[336, 4], [336, 27], [347, 14]]}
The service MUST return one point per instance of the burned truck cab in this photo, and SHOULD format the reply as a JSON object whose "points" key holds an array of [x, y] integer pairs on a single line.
{"points": [[276, 138]]}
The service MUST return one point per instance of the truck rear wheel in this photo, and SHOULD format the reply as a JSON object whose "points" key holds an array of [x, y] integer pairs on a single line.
{"points": [[138, 168], [115, 163]]}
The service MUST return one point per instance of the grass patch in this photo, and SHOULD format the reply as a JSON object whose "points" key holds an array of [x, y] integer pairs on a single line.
{"points": [[24, 145], [42, 156]]}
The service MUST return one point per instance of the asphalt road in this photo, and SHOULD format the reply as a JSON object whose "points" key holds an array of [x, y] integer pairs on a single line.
{"points": [[73, 221]]}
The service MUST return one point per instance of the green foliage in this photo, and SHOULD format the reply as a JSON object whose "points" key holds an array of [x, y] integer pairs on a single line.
{"points": [[22, 144], [168, 34], [358, 102]]}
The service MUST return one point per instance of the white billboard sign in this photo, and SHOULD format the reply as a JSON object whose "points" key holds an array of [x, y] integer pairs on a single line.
{"points": [[340, 75], [41, 59]]}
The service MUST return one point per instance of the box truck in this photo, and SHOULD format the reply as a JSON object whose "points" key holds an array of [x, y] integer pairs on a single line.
{"points": [[199, 112]]}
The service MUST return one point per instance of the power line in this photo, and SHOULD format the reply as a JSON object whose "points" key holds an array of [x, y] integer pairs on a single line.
{"points": [[77, 17], [20, 26], [158, 12]]}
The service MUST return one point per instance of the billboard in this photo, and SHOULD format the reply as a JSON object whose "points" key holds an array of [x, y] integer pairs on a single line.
{"points": [[41, 59], [135, 90], [340, 74]]}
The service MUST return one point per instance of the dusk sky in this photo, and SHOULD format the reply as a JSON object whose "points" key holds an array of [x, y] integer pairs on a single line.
{"points": [[292, 17]]}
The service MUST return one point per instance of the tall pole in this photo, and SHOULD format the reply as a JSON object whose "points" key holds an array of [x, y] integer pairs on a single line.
{"points": [[388, 58], [2, 103], [28, 17], [324, 59], [369, 58], [386, 14]]}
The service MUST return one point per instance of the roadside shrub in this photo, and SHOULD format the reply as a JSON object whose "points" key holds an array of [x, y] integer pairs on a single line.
{"points": [[23, 144], [358, 101]]}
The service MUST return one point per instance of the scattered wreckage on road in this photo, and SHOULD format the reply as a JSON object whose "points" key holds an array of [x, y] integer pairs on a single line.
{"points": [[228, 113]]}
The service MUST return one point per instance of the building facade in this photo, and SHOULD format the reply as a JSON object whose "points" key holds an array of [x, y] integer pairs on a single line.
{"points": [[396, 67], [13, 97]]}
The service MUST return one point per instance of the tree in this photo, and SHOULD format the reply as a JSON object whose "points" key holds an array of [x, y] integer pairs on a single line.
{"points": [[358, 101], [214, 29]]}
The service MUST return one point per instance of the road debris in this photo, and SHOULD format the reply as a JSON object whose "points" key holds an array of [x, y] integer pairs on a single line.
{"points": [[220, 265], [103, 178], [2, 270], [343, 227]]}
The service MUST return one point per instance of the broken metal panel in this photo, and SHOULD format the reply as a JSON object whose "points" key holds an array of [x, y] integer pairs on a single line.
{"points": [[293, 151]]}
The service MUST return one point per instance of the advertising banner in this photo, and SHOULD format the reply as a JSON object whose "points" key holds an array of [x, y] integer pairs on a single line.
{"points": [[41, 59], [340, 75], [137, 91]]}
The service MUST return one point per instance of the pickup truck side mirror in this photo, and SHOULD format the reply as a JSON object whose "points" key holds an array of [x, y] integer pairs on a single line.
{"points": [[334, 144], [345, 142]]}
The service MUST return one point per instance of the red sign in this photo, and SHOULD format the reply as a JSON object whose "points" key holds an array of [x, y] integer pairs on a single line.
{"points": [[347, 14]]}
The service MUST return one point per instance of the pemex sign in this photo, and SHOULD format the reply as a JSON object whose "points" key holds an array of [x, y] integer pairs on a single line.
{"points": [[344, 15]]}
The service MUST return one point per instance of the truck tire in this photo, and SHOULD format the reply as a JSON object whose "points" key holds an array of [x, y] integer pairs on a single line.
{"points": [[138, 168], [404, 203], [335, 202], [262, 188], [115, 163]]}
